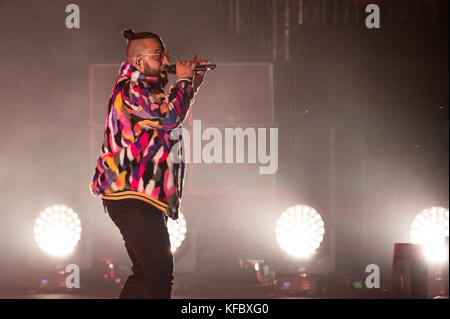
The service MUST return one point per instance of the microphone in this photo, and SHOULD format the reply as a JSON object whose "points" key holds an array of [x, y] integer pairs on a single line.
{"points": [[172, 69]]}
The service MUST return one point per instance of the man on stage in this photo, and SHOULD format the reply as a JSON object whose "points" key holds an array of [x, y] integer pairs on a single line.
{"points": [[137, 176]]}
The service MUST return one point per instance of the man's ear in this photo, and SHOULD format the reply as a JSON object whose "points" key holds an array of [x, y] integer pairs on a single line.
{"points": [[136, 61], [138, 64]]}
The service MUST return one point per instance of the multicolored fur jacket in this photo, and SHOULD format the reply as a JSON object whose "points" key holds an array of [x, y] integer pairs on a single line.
{"points": [[138, 156]]}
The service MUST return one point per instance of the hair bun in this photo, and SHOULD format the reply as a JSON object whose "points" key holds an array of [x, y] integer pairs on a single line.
{"points": [[128, 34]]}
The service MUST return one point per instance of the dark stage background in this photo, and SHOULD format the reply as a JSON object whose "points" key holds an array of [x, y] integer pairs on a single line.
{"points": [[362, 116]]}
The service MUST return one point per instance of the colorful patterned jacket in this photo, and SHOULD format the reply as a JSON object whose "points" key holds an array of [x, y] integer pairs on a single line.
{"points": [[138, 156]]}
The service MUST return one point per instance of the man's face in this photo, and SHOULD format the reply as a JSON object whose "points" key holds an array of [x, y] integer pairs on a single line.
{"points": [[152, 59]]}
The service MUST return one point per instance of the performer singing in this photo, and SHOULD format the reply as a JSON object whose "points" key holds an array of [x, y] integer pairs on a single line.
{"points": [[138, 178]]}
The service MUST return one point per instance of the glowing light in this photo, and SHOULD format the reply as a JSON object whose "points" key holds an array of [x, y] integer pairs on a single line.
{"points": [[429, 229], [177, 231], [57, 230], [300, 231]]}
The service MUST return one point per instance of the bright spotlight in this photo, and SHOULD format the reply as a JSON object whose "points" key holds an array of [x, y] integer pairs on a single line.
{"points": [[300, 230], [177, 231], [57, 230], [429, 229]]}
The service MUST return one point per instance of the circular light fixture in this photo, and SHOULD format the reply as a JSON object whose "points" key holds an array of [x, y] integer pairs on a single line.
{"points": [[429, 229], [57, 230], [177, 231], [300, 231]]}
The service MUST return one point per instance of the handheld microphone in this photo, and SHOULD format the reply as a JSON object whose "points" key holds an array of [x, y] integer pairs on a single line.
{"points": [[172, 69]]}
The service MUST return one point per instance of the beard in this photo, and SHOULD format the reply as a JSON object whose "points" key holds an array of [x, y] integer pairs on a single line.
{"points": [[163, 80], [161, 75]]}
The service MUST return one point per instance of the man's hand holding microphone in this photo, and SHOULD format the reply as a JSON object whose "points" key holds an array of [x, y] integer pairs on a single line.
{"points": [[186, 69]]}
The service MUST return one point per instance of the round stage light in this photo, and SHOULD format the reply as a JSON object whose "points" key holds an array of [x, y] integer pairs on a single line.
{"points": [[177, 231], [57, 230], [429, 229], [300, 231]]}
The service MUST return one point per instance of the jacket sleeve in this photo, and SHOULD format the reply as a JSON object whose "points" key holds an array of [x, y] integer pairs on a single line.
{"points": [[157, 109]]}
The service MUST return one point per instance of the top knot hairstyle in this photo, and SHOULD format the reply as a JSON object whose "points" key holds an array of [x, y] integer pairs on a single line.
{"points": [[130, 35]]}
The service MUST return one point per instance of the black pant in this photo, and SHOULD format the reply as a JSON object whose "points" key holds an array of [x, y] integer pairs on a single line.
{"points": [[144, 230]]}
